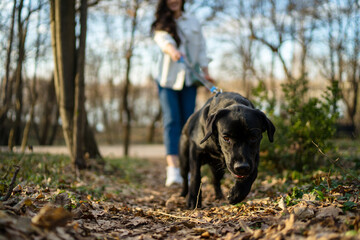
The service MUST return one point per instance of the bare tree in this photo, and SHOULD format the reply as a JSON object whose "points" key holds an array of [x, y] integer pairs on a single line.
{"points": [[279, 33], [15, 131], [48, 114], [69, 79], [129, 54], [6, 90], [33, 93], [341, 67], [80, 114]]}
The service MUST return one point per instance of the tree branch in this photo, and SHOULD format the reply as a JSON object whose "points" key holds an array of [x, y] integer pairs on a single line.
{"points": [[12, 185]]}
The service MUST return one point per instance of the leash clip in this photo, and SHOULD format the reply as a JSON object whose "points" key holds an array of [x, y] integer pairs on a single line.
{"points": [[215, 90]]}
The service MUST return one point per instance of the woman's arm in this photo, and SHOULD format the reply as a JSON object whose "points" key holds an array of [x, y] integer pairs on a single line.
{"points": [[172, 51], [167, 44]]}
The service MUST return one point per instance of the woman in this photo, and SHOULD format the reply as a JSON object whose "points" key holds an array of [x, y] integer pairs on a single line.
{"points": [[177, 34]]}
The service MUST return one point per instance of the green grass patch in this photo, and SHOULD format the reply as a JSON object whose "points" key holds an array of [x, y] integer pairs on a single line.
{"points": [[55, 171], [43, 169]]}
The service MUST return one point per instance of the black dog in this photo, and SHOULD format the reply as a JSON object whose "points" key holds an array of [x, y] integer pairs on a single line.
{"points": [[226, 131]]}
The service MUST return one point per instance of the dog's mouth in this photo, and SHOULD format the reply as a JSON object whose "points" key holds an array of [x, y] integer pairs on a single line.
{"points": [[240, 177]]}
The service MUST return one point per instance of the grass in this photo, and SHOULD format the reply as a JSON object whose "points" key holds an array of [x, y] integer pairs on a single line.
{"points": [[55, 171], [44, 169]]}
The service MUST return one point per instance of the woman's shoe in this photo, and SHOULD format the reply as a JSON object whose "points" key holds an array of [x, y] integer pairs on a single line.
{"points": [[172, 176]]}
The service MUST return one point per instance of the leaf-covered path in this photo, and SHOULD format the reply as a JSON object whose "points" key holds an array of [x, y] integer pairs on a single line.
{"points": [[109, 206]]}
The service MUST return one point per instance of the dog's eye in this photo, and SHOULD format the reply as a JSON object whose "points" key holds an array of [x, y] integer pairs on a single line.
{"points": [[226, 139], [253, 138]]}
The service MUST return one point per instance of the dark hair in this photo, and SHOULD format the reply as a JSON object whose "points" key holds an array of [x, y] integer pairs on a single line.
{"points": [[164, 20]]}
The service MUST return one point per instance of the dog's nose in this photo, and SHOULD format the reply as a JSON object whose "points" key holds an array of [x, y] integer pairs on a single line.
{"points": [[241, 168]]}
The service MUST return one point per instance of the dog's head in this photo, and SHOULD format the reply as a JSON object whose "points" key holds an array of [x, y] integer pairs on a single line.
{"points": [[238, 130]]}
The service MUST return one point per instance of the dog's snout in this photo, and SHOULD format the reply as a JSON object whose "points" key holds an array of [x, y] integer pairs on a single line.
{"points": [[241, 168]]}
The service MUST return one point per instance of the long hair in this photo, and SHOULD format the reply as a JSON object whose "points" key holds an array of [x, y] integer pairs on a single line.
{"points": [[164, 20]]}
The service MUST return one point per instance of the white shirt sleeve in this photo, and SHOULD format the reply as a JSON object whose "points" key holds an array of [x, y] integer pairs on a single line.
{"points": [[163, 38]]}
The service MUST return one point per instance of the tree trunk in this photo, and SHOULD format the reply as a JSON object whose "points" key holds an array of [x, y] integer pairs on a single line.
{"points": [[54, 127], [79, 114], [63, 41], [15, 132], [151, 131], [6, 90], [49, 117], [33, 89], [129, 53], [69, 69], [5, 93]]}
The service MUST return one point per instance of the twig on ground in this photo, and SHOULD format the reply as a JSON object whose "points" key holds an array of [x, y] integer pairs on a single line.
{"points": [[246, 228], [337, 163], [179, 217], [12, 184], [198, 197]]}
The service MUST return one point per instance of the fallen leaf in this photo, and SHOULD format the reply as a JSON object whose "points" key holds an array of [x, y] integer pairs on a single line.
{"points": [[205, 235], [303, 212], [17, 189], [26, 201], [137, 221], [62, 199], [330, 211], [51, 217], [282, 204], [40, 196], [289, 224], [258, 233]]}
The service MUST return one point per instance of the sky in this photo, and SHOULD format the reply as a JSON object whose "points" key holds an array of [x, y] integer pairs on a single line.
{"points": [[106, 39]]}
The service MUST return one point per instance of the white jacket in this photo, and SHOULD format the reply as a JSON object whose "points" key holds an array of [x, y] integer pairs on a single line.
{"points": [[173, 74]]}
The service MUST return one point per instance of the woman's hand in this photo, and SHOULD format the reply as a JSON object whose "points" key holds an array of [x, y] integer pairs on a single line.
{"points": [[173, 52]]}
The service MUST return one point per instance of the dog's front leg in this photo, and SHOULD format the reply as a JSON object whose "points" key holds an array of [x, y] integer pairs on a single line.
{"points": [[218, 173], [194, 198], [241, 189]]}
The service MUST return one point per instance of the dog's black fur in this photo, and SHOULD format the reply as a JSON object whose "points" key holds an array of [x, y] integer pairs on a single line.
{"points": [[226, 131]]}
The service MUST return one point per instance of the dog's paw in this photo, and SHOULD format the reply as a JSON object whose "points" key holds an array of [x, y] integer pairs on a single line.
{"points": [[193, 203], [183, 193], [219, 195], [235, 196]]}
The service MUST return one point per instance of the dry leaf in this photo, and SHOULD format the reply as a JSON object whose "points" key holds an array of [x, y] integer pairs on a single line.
{"points": [[26, 201], [289, 224], [282, 204], [137, 221], [205, 235], [40, 196], [51, 216], [62, 199], [303, 212], [330, 211]]}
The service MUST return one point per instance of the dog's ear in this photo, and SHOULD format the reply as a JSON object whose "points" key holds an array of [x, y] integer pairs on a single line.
{"points": [[267, 126], [210, 122]]}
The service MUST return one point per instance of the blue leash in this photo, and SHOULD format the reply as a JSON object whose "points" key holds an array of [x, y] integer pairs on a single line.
{"points": [[212, 88]]}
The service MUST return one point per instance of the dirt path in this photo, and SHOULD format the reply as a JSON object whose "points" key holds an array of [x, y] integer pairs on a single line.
{"points": [[149, 210], [138, 150]]}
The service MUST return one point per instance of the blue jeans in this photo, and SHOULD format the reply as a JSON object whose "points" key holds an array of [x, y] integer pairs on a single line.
{"points": [[177, 106]]}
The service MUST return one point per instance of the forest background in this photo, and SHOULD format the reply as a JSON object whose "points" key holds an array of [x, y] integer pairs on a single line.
{"points": [[79, 73], [283, 55]]}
